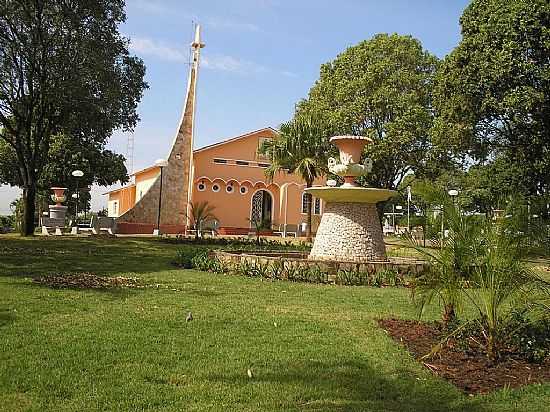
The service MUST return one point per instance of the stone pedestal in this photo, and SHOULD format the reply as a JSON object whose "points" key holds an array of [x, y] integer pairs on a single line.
{"points": [[57, 211], [349, 231]]}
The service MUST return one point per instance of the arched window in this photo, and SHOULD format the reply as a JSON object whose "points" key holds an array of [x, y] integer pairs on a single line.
{"points": [[315, 205], [306, 198]]}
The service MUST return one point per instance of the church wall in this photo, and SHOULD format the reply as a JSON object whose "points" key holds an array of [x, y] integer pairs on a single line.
{"points": [[233, 209], [144, 181]]}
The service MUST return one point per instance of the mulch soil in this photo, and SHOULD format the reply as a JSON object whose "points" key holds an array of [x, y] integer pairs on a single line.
{"points": [[86, 281], [470, 370]]}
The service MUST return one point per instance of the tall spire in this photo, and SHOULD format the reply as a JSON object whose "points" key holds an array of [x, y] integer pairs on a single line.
{"points": [[178, 175]]}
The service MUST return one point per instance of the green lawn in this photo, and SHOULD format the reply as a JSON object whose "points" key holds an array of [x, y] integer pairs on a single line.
{"points": [[131, 349]]}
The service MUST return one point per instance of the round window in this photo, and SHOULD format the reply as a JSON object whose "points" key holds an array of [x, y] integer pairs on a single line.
{"points": [[243, 190], [215, 188], [229, 188], [201, 186]]}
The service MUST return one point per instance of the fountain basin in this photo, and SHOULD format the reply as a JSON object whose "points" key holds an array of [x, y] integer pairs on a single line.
{"points": [[351, 194]]}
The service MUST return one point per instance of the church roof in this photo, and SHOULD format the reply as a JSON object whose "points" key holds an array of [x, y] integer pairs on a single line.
{"points": [[232, 139]]}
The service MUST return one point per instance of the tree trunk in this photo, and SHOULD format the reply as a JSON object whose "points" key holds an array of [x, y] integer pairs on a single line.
{"points": [[492, 352], [448, 313], [29, 207], [309, 238]]}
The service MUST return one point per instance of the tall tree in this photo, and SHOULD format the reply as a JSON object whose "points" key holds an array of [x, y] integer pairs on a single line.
{"points": [[380, 88], [64, 69], [302, 147], [492, 94]]}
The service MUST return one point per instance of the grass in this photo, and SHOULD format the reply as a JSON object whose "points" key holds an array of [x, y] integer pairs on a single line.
{"points": [[309, 347]]}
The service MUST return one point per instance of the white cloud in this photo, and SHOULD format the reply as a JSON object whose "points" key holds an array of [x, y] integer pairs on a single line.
{"points": [[232, 64], [145, 46], [225, 24], [149, 47]]}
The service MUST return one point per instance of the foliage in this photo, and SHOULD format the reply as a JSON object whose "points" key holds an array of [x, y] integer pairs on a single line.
{"points": [[239, 243], [296, 271], [17, 213], [302, 147], [531, 338], [481, 263], [184, 257], [65, 70], [380, 88], [202, 213], [259, 225], [492, 94], [6, 224]]}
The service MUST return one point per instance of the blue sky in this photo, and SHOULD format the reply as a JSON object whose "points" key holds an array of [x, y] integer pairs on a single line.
{"points": [[261, 57]]}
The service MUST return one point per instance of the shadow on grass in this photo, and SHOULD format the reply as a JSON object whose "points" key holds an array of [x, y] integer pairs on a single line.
{"points": [[356, 386], [6, 317], [41, 256]]}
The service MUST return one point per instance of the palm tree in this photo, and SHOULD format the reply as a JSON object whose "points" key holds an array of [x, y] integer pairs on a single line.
{"points": [[481, 263], [201, 214], [302, 147]]}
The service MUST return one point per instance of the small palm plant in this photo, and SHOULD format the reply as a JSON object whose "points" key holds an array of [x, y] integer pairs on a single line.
{"points": [[259, 224], [201, 214], [502, 284], [481, 264]]}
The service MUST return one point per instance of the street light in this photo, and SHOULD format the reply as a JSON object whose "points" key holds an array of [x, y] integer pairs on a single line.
{"points": [[77, 173], [162, 163], [398, 207]]}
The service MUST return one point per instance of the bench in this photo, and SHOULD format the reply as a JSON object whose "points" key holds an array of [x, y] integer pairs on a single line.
{"points": [[50, 223], [286, 230], [96, 225]]}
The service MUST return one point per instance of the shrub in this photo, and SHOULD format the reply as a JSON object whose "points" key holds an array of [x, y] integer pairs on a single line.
{"points": [[532, 338], [481, 263], [184, 257], [241, 243]]}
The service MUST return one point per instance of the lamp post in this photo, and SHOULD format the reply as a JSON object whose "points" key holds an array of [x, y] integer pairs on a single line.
{"points": [[161, 163], [398, 207], [78, 174], [409, 196], [453, 193]]}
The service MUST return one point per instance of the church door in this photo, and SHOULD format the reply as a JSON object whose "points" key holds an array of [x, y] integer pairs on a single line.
{"points": [[261, 208]]}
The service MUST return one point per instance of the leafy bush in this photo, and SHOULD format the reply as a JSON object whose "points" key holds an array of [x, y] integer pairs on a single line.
{"points": [[184, 257], [390, 277], [241, 243], [6, 224], [294, 271], [532, 341]]}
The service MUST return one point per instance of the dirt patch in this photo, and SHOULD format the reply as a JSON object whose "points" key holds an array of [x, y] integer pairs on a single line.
{"points": [[470, 370], [86, 281]]}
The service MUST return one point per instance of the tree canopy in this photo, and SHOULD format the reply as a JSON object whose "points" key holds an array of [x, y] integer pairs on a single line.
{"points": [[65, 70], [492, 94], [380, 88]]}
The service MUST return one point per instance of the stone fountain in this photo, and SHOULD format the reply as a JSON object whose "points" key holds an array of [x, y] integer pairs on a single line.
{"points": [[58, 211], [350, 229]]}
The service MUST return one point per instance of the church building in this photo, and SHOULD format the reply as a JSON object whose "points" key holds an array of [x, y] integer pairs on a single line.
{"points": [[229, 175]]}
